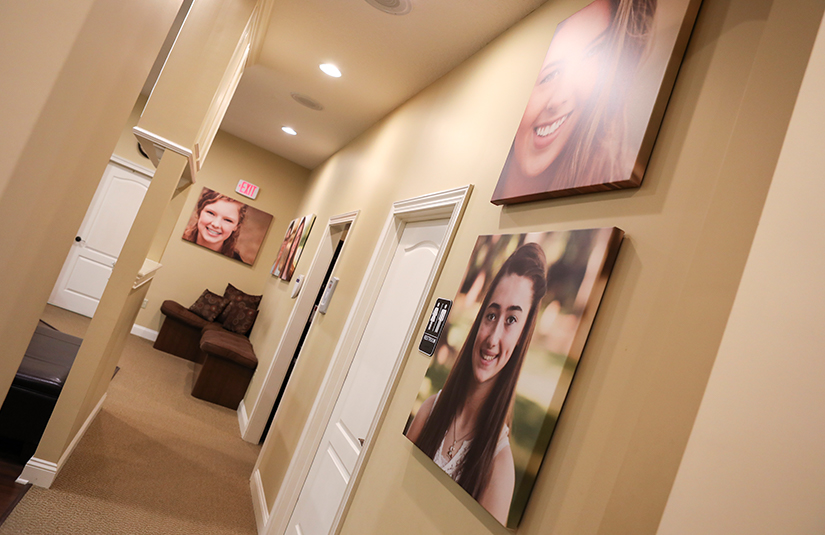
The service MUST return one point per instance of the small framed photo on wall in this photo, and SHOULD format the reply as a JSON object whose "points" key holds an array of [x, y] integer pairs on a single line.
{"points": [[292, 247]]}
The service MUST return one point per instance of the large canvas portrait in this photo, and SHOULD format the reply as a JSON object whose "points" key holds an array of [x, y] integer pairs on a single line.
{"points": [[227, 226], [491, 397], [595, 109], [292, 247]]}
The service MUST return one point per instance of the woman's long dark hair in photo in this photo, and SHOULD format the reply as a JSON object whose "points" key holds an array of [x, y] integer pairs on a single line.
{"points": [[474, 472]]}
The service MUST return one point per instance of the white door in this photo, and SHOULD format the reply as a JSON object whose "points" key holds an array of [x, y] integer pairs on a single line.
{"points": [[99, 240], [371, 370]]}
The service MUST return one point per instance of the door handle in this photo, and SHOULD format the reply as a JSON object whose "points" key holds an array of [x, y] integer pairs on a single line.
{"points": [[361, 441], [78, 239]]}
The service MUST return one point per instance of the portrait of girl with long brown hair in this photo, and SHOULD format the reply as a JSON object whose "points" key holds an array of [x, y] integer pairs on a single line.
{"points": [[589, 121], [519, 319]]}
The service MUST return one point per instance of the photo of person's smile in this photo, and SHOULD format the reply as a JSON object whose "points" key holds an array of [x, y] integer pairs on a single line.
{"points": [[564, 86], [217, 222]]}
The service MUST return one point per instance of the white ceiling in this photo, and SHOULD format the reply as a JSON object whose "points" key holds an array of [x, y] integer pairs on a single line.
{"points": [[385, 59]]}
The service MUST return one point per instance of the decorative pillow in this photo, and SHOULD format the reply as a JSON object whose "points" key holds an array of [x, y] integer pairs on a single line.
{"points": [[235, 295], [239, 317], [209, 305]]}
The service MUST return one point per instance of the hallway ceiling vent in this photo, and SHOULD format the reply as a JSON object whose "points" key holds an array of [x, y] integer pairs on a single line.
{"points": [[309, 102], [393, 7]]}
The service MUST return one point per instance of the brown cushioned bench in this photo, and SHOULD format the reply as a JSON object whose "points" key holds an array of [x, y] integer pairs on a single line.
{"points": [[227, 368], [225, 361]]}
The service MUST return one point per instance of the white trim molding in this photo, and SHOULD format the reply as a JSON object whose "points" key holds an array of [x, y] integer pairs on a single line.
{"points": [[159, 145], [243, 419], [42, 473], [446, 204], [38, 472], [256, 485], [144, 332], [132, 166]]}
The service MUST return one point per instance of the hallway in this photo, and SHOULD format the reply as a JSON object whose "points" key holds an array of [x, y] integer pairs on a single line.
{"points": [[155, 459]]}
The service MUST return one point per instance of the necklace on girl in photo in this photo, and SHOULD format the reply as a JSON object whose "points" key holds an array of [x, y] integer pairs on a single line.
{"points": [[452, 451]]}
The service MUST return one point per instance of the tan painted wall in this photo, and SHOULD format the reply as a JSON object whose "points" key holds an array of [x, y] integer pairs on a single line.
{"points": [[105, 337], [71, 74], [689, 228], [197, 62], [754, 461], [188, 268], [127, 143]]}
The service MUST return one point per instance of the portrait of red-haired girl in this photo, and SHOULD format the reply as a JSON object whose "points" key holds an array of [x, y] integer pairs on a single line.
{"points": [[227, 226]]}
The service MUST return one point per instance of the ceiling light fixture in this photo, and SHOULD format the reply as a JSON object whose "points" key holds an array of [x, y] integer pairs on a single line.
{"points": [[290, 131], [330, 69], [393, 7]]}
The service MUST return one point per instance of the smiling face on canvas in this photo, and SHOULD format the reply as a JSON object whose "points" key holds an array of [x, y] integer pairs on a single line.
{"points": [[564, 86], [501, 326], [216, 223]]}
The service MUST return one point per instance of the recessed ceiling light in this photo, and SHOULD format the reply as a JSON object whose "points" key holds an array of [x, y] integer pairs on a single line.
{"points": [[393, 7], [290, 131], [330, 69]]}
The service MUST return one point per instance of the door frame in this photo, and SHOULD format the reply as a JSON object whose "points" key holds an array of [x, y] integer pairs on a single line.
{"points": [[252, 425], [446, 204]]}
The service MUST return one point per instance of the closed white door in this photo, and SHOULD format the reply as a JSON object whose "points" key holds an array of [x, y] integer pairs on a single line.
{"points": [[371, 369], [98, 243]]}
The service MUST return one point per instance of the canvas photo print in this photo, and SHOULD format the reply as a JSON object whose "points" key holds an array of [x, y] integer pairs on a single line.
{"points": [[597, 103], [501, 370], [292, 247], [227, 226]]}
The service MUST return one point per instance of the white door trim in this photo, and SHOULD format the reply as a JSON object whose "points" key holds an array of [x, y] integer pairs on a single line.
{"points": [[132, 166], [262, 406], [447, 204]]}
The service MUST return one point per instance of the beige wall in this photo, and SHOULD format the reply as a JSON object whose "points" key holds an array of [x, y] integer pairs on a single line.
{"points": [[127, 143], [192, 74], [620, 439], [105, 337], [188, 269], [754, 461], [71, 73]]}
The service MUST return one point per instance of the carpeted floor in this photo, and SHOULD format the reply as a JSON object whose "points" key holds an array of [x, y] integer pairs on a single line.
{"points": [[154, 461]]}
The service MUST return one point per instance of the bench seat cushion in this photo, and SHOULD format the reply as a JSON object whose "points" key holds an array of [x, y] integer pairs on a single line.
{"points": [[230, 346], [47, 361]]}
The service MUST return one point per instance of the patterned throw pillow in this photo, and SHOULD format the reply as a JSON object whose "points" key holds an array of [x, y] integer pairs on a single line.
{"points": [[235, 295], [209, 305], [239, 317]]}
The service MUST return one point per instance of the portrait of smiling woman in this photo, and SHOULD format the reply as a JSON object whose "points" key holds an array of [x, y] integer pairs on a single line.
{"points": [[597, 102], [227, 226], [491, 396]]}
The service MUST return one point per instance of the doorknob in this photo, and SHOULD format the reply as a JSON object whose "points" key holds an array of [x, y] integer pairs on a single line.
{"points": [[361, 440], [78, 239]]}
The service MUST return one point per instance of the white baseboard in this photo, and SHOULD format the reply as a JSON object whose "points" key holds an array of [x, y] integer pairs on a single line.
{"points": [[259, 500], [144, 332], [38, 472], [41, 473], [243, 419]]}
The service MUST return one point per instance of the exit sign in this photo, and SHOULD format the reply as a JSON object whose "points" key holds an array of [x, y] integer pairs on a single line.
{"points": [[247, 189]]}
